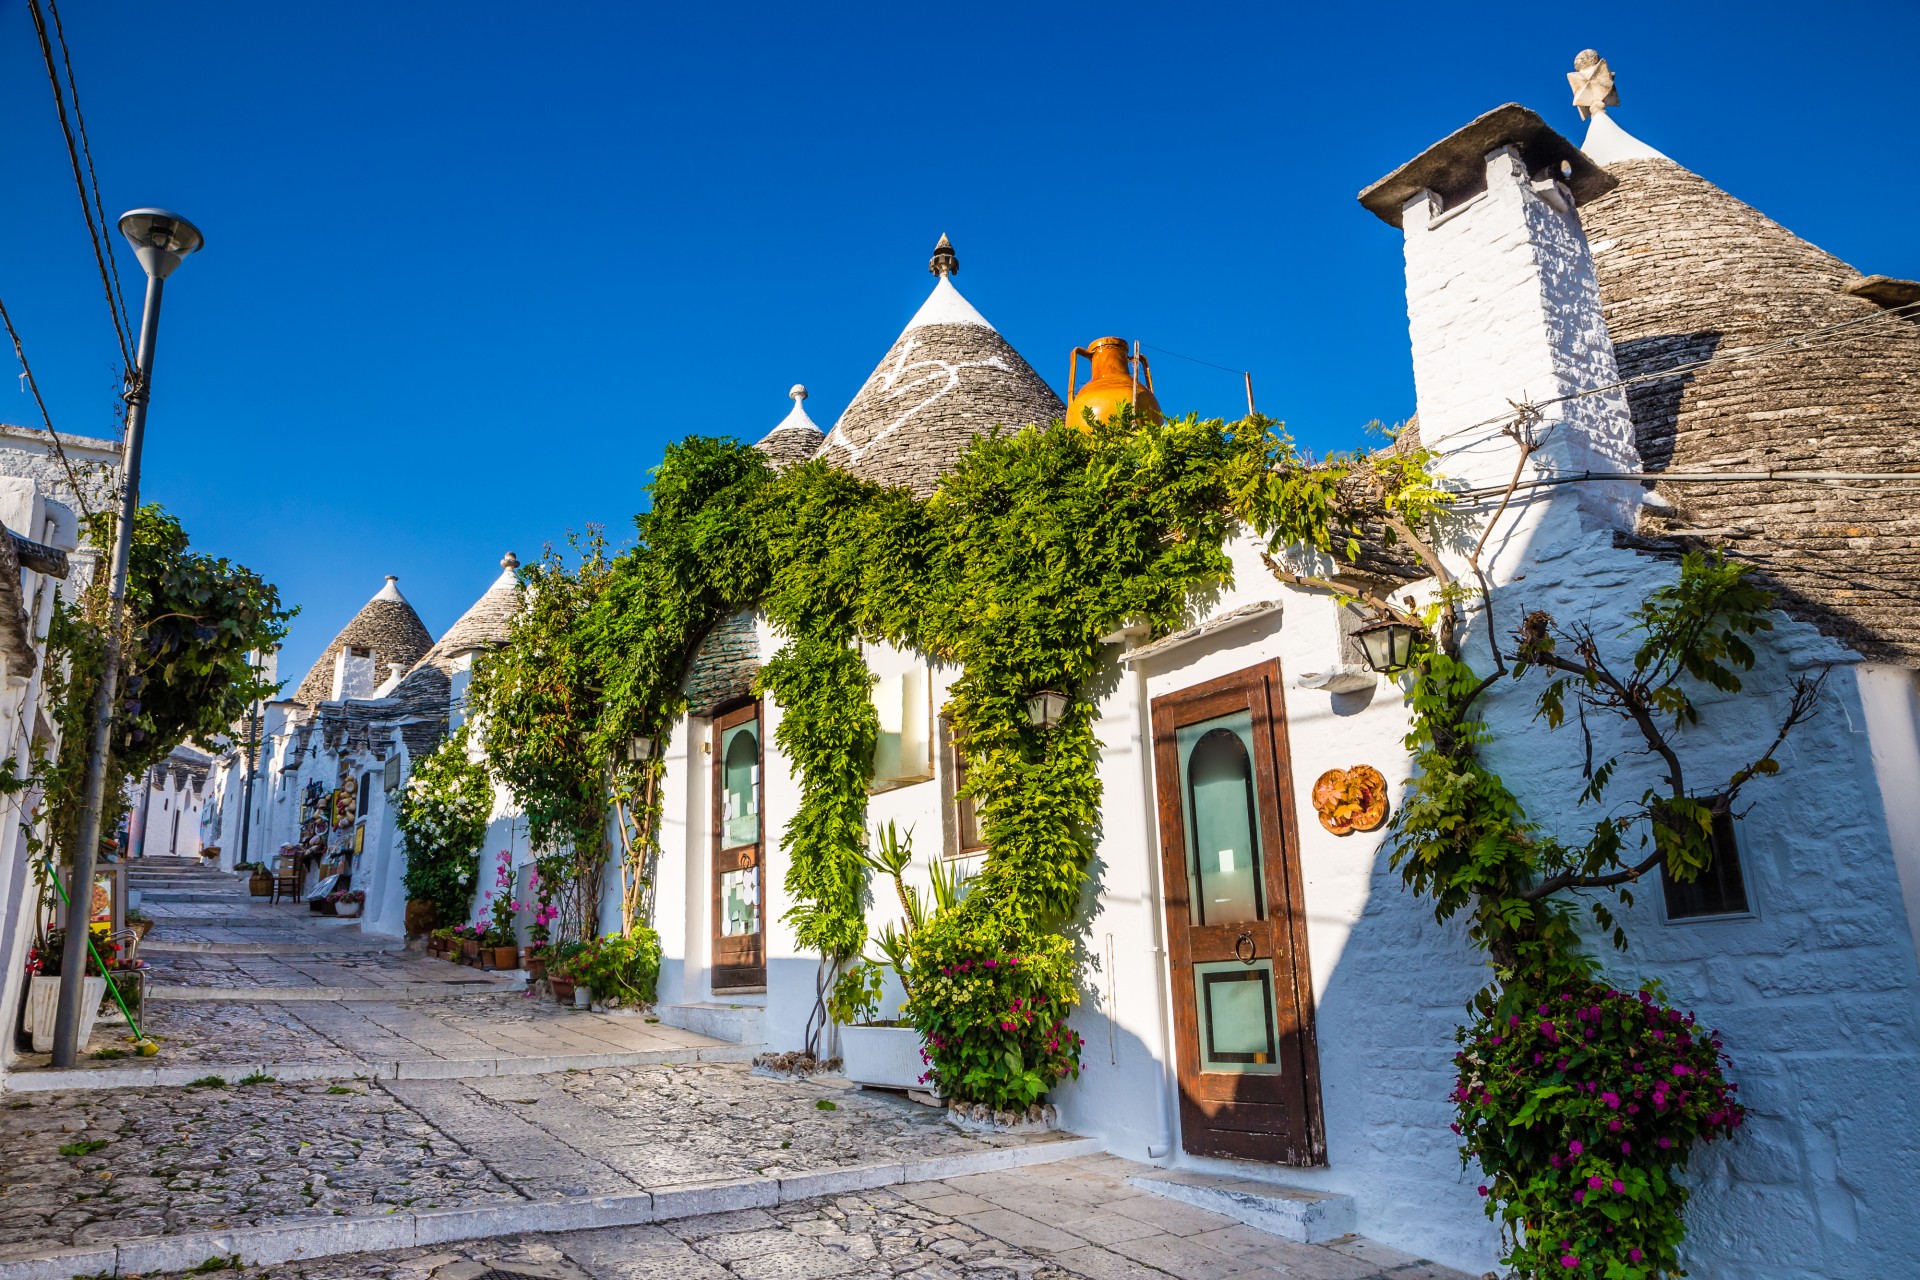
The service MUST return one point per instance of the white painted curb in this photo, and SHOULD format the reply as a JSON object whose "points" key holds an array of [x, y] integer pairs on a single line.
{"points": [[329, 1237]]}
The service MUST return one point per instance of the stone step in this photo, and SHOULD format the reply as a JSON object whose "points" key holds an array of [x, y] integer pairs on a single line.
{"points": [[1293, 1213], [740, 1023]]}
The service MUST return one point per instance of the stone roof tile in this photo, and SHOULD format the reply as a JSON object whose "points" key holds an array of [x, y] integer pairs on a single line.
{"points": [[1687, 273]]}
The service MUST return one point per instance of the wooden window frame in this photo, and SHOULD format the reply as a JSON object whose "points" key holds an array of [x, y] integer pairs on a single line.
{"points": [[739, 962], [1674, 895]]}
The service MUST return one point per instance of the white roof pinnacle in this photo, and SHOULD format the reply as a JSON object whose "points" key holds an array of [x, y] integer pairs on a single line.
{"points": [[391, 591], [1607, 143], [945, 306], [797, 417]]}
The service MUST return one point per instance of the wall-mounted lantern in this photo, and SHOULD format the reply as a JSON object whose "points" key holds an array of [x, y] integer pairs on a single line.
{"points": [[639, 750], [1388, 644], [1045, 708]]}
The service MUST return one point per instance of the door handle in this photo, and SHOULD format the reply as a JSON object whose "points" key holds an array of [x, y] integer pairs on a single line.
{"points": [[1244, 947]]}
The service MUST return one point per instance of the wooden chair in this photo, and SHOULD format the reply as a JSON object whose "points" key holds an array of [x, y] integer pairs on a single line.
{"points": [[286, 877]]}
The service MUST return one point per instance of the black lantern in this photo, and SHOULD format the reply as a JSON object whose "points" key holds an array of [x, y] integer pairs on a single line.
{"points": [[1045, 708], [639, 749], [1388, 644]]}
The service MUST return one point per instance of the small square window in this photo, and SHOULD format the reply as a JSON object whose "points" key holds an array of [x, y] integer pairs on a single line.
{"points": [[1720, 890]]}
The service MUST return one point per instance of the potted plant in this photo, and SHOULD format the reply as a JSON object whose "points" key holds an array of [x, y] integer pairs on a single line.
{"points": [[140, 922], [440, 941], [560, 970], [43, 993], [421, 917], [533, 957], [259, 879], [619, 970], [348, 904], [886, 1051], [499, 938], [469, 935]]}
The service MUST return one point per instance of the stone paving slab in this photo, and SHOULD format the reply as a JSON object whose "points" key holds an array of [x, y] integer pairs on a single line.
{"points": [[899, 1233], [480, 1035], [187, 1164]]}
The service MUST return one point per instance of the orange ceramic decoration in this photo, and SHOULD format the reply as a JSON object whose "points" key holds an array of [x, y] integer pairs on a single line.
{"points": [[1349, 800], [1110, 386]]}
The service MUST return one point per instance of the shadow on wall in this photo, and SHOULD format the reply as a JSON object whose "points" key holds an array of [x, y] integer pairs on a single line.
{"points": [[1384, 1027], [1655, 404]]}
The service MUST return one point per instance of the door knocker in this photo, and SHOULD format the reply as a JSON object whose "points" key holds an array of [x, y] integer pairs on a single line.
{"points": [[1252, 951]]}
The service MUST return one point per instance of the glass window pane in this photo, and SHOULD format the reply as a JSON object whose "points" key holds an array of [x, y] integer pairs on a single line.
{"points": [[1222, 815], [740, 902], [1237, 1028], [740, 785]]}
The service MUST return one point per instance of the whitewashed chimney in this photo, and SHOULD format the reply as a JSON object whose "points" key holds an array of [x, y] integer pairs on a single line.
{"points": [[1504, 310]]}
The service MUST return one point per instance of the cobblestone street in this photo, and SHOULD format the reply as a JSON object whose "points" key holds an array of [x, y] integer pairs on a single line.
{"points": [[1050, 1222], [326, 1097]]}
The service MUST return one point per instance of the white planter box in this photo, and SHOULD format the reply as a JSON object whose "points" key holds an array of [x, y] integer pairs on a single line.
{"points": [[885, 1056], [346, 910], [43, 1005]]}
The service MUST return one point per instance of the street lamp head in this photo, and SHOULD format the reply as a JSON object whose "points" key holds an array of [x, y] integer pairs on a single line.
{"points": [[159, 239]]}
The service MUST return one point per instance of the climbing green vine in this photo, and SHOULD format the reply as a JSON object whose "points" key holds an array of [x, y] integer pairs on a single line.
{"points": [[443, 818]]}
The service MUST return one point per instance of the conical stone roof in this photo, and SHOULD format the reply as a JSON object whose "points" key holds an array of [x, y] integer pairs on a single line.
{"points": [[386, 625], [948, 377], [1688, 273], [484, 623], [796, 438]]}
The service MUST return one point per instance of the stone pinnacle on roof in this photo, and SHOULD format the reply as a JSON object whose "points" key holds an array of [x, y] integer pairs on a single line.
{"points": [[948, 377], [796, 438], [386, 630], [944, 261], [1593, 92], [1592, 83]]}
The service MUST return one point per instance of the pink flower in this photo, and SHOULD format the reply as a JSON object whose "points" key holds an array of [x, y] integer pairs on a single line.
{"points": [[1634, 1255], [1569, 1261], [1619, 1187], [1575, 1146], [1596, 1182], [1579, 1196], [1483, 1191]]}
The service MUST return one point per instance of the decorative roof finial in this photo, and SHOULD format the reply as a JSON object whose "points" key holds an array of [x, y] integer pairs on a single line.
{"points": [[509, 561], [945, 262], [1592, 83], [798, 393]]}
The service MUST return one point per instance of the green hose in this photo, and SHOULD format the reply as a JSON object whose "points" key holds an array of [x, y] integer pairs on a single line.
{"points": [[68, 903]]}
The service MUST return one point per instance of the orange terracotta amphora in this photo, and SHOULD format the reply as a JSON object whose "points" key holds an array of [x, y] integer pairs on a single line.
{"points": [[1111, 385]]}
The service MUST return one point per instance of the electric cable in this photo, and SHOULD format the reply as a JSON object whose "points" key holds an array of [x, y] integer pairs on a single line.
{"points": [[86, 149], [100, 252], [79, 494], [1824, 335]]}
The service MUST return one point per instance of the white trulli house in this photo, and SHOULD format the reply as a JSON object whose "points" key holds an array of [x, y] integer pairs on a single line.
{"points": [[1615, 291]]}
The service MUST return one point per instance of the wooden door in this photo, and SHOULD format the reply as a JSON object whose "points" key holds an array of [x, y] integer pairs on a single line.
{"points": [[739, 874], [1236, 927]]}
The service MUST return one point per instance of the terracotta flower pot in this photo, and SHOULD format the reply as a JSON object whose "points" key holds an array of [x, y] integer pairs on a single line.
{"points": [[506, 957], [470, 948], [563, 991], [259, 884], [536, 967]]}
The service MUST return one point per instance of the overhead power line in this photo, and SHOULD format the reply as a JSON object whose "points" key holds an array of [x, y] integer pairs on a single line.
{"points": [[86, 149], [1824, 335], [95, 228], [79, 494]]}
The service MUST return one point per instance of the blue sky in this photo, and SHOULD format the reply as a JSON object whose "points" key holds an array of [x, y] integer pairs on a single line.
{"points": [[470, 266]]}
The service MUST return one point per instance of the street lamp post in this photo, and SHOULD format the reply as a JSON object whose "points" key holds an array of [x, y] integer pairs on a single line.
{"points": [[160, 240], [253, 763]]}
